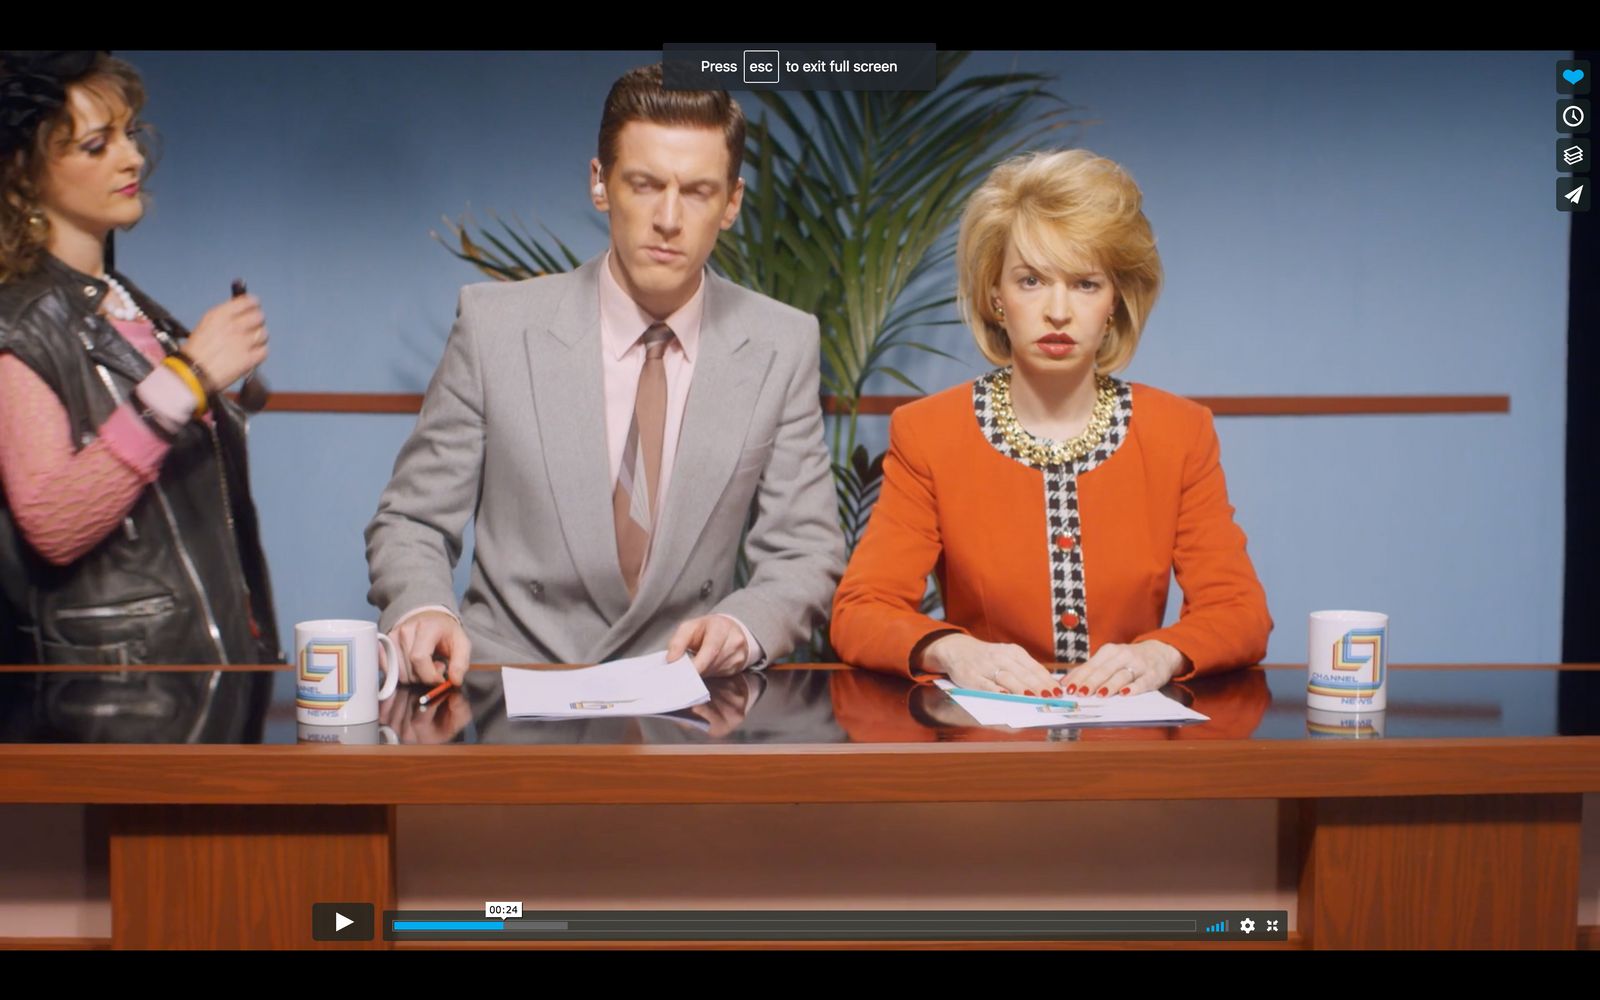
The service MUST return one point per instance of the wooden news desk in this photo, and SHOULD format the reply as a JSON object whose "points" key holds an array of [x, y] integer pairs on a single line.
{"points": [[1428, 827]]}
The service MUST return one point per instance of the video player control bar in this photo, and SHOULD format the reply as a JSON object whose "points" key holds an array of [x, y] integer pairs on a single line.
{"points": [[841, 925]]}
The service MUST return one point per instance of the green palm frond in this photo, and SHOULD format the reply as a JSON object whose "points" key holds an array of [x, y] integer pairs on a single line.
{"points": [[525, 257], [857, 483]]}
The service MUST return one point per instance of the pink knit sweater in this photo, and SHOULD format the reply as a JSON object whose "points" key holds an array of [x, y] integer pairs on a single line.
{"points": [[64, 500]]}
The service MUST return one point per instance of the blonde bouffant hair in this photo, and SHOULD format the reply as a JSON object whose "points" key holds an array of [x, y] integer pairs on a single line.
{"points": [[1068, 211]]}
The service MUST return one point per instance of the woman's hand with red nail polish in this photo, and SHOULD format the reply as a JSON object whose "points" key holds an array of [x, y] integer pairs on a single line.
{"points": [[985, 666], [1126, 669]]}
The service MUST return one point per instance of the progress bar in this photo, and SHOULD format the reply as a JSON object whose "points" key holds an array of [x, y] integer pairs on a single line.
{"points": [[448, 925], [841, 925]]}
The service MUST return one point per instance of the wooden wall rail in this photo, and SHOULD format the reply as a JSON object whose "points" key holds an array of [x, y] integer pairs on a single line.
{"points": [[1222, 406]]}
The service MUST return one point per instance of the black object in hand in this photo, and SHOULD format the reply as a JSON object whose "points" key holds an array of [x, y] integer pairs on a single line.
{"points": [[253, 391]]}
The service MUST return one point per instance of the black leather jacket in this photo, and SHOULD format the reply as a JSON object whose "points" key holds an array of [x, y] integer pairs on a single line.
{"points": [[183, 579]]}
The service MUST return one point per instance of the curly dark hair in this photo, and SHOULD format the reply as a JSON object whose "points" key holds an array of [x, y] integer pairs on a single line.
{"points": [[35, 121]]}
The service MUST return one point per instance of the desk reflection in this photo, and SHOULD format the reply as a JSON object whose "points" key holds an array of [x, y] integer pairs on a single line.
{"points": [[134, 706]]}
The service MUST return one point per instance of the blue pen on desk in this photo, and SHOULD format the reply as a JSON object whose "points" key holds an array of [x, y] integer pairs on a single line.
{"points": [[1024, 699]]}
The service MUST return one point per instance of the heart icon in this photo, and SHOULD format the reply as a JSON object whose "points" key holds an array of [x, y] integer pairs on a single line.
{"points": [[1572, 75]]}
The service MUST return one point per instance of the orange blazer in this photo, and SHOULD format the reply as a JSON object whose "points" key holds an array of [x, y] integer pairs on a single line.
{"points": [[953, 504]]}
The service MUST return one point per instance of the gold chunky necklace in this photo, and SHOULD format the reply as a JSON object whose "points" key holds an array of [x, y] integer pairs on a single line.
{"points": [[1039, 452]]}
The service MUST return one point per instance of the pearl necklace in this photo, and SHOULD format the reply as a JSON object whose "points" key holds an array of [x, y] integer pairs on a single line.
{"points": [[1039, 452], [128, 311]]}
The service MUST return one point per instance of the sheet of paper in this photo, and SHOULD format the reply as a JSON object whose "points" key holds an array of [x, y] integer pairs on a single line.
{"points": [[642, 685], [1150, 708]]}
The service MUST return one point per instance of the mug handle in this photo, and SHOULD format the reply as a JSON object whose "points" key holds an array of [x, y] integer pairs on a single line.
{"points": [[391, 679]]}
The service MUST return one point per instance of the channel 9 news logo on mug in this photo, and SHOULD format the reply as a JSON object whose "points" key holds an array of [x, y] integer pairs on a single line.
{"points": [[1348, 661], [337, 675]]}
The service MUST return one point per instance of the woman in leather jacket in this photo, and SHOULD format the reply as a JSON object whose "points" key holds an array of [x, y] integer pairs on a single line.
{"points": [[127, 535]]}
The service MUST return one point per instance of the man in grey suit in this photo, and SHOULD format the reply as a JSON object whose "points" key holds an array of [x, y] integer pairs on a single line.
{"points": [[613, 431]]}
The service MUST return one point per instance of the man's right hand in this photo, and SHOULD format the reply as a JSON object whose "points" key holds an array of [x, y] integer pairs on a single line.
{"points": [[988, 666], [423, 636]]}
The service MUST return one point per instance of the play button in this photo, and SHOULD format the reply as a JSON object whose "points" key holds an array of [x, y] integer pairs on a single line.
{"points": [[342, 921]]}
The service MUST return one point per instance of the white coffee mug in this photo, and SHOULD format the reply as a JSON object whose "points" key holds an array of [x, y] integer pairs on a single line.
{"points": [[336, 672], [1348, 661]]}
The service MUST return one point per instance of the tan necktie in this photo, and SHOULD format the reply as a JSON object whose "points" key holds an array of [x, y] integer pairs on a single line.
{"points": [[633, 504]]}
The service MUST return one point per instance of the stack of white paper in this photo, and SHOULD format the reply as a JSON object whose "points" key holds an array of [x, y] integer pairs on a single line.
{"points": [[643, 685], [1150, 708]]}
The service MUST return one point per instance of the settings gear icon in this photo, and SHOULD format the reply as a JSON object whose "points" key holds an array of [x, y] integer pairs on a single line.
{"points": [[1247, 925]]}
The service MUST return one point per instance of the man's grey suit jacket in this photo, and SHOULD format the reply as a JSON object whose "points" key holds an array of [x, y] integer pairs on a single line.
{"points": [[512, 432]]}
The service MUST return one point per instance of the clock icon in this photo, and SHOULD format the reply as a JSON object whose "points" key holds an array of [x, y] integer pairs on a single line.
{"points": [[1572, 116]]}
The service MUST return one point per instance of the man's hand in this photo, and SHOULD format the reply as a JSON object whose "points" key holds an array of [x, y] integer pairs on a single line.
{"points": [[430, 634], [717, 643]]}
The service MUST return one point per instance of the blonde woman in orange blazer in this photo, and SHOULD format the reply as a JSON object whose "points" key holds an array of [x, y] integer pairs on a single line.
{"points": [[1053, 501]]}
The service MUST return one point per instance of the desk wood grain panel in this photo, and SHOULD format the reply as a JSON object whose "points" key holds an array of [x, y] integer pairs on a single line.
{"points": [[1222, 406], [243, 876], [336, 775], [1494, 871]]}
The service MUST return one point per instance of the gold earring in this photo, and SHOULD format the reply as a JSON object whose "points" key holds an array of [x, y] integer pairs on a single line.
{"points": [[1000, 311], [36, 220]]}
